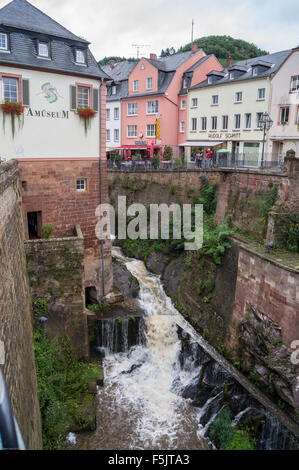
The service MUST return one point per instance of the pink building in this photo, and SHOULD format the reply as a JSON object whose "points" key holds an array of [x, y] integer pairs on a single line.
{"points": [[154, 110]]}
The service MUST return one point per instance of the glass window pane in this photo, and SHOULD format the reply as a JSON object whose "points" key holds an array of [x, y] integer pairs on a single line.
{"points": [[10, 87]]}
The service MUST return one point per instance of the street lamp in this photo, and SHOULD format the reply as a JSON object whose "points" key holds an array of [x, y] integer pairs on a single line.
{"points": [[264, 123]]}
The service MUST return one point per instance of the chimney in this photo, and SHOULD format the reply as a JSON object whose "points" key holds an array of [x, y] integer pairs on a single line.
{"points": [[194, 47], [111, 64], [229, 62], [153, 56]]}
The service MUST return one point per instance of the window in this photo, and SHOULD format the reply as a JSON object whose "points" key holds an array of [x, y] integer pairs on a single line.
{"points": [[295, 83], [261, 93], [215, 99], [113, 90], [3, 42], [194, 102], [238, 97], [108, 135], [136, 85], [203, 123], [214, 122], [10, 89], [152, 107], [83, 96], [116, 114], [231, 75], [149, 83], [132, 131], [193, 124], [248, 121], [151, 130], [237, 121], [297, 115], [184, 83], [254, 71], [132, 109], [224, 122], [182, 126], [116, 135], [258, 118], [80, 56], [251, 153], [43, 49], [81, 185], [107, 114], [284, 115], [210, 80], [183, 104]]}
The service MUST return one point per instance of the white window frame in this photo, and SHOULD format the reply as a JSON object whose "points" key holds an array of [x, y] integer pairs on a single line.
{"points": [[204, 123], [107, 114], [78, 60], [225, 121], [42, 44], [259, 97], [258, 116], [231, 75], [128, 131], [108, 135], [254, 71], [135, 85], [287, 111], [81, 185], [154, 106], [248, 120], [129, 109], [113, 90], [116, 135], [10, 90], [210, 80], [236, 97], [237, 117], [183, 106], [116, 114], [78, 96], [149, 83], [182, 127], [295, 83], [215, 100], [151, 130], [194, 102], [5, 37], [193, 124], [214, 123]]}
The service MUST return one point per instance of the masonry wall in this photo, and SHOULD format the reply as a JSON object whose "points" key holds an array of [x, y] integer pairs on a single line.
{"points": [[56, 271], [15, 310], [49, 186]]}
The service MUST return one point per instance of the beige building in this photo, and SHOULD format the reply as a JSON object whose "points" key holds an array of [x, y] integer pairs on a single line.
{"points": [[225, 110]]}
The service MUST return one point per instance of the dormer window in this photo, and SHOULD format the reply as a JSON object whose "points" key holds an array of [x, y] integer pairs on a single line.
{"points": [[43, 49], [80, 56], [184, 83], [113, 90], [231, 75], [3, 42], [254, 71], [210, 80]]}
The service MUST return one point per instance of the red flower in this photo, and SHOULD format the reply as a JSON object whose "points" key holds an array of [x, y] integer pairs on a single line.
{"points": [[9, 107]]}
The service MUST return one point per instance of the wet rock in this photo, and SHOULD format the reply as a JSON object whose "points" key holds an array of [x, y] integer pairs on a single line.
{"points": [[113, 298], [172, 275], [156, 263], [125, 282]]}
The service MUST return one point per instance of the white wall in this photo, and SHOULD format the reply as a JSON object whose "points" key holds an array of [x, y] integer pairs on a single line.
{"points": [[46, 137], [281, 95], [113, 124]]}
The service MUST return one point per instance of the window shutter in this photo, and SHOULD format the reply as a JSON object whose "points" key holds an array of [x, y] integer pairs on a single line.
{"points": [[95, 99], [25, 92], [73, 93]]}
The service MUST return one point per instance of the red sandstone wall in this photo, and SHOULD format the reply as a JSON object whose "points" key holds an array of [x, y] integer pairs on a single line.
{"points": [[269, 288]]}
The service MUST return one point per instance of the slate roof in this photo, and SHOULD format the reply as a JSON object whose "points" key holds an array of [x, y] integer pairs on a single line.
{"points": [[275, 60], [121, 70], [172, 62], [25, 24]]}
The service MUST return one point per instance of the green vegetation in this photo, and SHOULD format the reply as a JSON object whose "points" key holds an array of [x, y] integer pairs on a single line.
{"points": [[167, 153], [47, 230], [227, 437], [114, 58], [40, 307], [62, 389]]}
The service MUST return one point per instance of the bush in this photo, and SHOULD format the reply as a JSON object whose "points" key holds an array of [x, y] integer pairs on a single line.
{"points": [[221, 430], [40, 307], [167, 154], [47, 230], [241, 440]]}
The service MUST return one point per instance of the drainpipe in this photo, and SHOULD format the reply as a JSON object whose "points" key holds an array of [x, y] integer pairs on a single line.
{"points": [[100, 180]]}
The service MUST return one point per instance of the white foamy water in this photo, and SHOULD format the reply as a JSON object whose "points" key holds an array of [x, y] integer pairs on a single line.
{"points": [[138, 406]]}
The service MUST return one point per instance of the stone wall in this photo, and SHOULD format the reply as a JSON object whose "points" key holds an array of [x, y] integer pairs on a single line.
{"points": [[49, 186], [15, 310], [56, 272]]}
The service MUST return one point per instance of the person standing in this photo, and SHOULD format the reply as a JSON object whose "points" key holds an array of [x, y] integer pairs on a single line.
{"points": [[208, 158]]}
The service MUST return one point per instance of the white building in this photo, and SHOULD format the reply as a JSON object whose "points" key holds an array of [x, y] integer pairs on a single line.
{"points": [[225, 110]]}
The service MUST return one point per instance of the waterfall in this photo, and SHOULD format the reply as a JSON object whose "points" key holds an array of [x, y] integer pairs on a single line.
{"points": [[162, 389]]}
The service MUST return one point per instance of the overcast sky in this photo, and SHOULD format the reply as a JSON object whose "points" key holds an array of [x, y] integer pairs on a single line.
{"points": [[113, 26]]}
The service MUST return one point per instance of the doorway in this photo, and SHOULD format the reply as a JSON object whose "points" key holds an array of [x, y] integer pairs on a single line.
{"points": [[34, 220]]}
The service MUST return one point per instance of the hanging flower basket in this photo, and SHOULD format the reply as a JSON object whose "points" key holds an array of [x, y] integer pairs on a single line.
{"points": [[85, 115], [13, 109]]}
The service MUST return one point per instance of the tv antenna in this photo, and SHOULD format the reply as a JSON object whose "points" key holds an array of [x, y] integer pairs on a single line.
{"points": [[140, 46], [192, 28]]}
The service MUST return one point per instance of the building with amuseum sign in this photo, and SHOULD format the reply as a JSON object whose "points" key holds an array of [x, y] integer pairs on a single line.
{"points": [[60, 152]]}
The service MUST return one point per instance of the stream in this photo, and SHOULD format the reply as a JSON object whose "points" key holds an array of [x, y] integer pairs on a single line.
{"points": [[153, 397]]}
